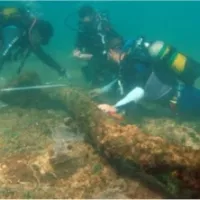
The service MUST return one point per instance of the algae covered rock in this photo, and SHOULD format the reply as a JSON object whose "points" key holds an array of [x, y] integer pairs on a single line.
{"points": [[69, 161]]}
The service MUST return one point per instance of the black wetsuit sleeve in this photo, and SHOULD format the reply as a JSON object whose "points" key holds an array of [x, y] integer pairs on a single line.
{"points": [[78, 43], [80, 38], [109, 30], [47, 59]]}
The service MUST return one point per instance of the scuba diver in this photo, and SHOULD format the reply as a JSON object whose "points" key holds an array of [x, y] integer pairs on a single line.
{"points": [[21, 34], [93, 34], [148, 74]]}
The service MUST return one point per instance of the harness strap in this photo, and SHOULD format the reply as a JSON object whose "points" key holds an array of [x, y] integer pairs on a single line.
{"points": [[174, 101]]}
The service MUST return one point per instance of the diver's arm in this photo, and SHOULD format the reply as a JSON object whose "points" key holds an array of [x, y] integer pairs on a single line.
{"points": [[103, 90], [134, 96], [79, 46], [79, 39], [110, 30], [83, 56], [26, 56], [108, 87], [48, 60]]}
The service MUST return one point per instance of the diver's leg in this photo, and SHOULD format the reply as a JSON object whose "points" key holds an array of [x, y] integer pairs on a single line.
{"points": [[88, 71], [92, 73], [27, 54], [19, 53]]}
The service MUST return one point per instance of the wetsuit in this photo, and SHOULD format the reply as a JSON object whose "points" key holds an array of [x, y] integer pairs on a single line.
{"points": [[140, 80], [15, 24], [92, 39]]}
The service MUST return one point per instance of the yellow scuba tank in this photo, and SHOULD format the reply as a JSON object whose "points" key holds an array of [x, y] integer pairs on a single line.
{"points": [[10, 12], [184, 67]]}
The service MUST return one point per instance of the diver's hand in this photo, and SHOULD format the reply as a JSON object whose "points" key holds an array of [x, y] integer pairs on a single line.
{"points": [[76, 53], [86, 57], [82, 56], [96, 92], [107, 108], [111, 111]]}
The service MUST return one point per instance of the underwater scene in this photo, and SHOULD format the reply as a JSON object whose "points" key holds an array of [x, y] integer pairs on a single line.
{"points": [[99, 99]]}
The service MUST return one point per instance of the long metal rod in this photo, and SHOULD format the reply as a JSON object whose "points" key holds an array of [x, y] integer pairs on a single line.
{"points": [[32, 87]]}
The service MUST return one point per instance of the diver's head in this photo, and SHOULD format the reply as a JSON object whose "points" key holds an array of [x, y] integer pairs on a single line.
{"points": [[114, 49], [41, 32], [86, 14]]}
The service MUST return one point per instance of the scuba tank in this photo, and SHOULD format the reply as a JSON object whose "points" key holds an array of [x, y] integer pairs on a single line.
{"points": [[187, 70]]}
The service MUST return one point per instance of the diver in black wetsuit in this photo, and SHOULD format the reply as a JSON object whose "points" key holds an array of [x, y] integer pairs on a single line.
{"points": [[93, 34], [22, 34], [142, 78]]}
